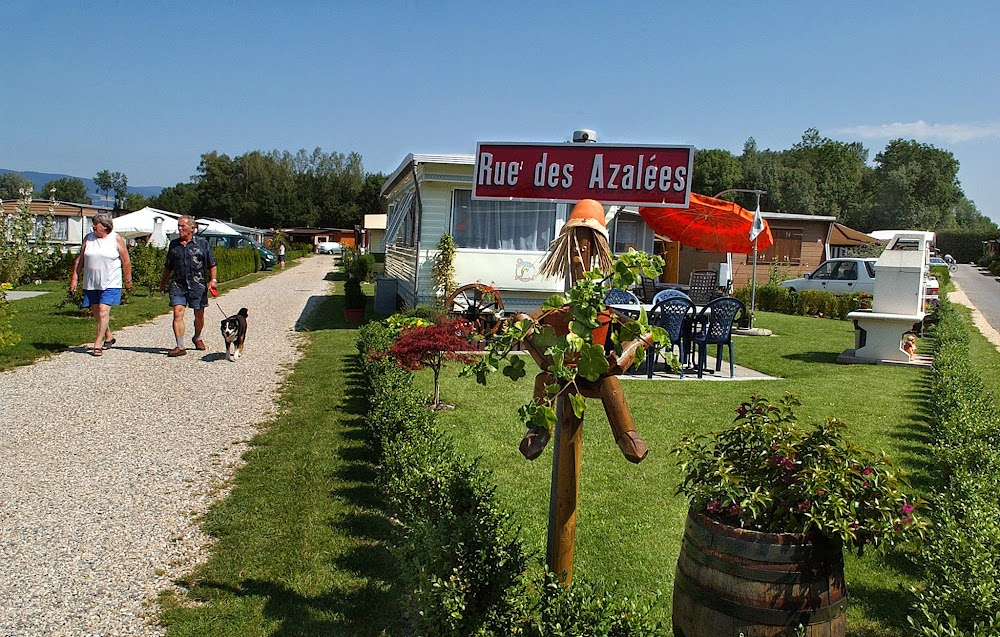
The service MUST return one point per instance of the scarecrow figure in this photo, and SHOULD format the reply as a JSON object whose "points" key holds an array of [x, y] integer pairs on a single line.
{"points": [[582, 245]]}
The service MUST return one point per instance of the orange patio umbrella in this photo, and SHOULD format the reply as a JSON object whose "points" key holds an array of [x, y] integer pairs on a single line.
{"points": [[710, 224]]}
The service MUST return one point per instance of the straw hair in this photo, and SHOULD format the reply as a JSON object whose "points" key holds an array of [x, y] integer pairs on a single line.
{"points": [[567, 245]]}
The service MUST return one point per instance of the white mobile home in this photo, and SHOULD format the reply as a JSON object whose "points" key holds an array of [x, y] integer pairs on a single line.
{"points": [[500, 243]]}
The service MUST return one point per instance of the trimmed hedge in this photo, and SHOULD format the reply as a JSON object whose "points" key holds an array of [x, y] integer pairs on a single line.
{"points": [[772, 297], [460, 553], [961, 555], [236, 262]]}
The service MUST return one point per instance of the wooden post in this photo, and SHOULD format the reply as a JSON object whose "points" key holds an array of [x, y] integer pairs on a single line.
{"points": [[565, 489]]}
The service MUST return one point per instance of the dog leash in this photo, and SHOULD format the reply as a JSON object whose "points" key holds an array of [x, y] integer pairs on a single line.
{"points": [[221, 310]]}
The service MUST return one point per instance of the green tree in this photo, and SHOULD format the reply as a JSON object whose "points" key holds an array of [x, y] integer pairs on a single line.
{"points": [[68, 189], [115, 182], [370, 199], [914, 185], [835, 173], [12, 183], [715, 171], [181, 198], [968, 217], [134, 201], [105, 183]]}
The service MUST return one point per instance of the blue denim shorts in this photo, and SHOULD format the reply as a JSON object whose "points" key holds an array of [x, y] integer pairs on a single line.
{"points": [[194, 301], [111, 296]]}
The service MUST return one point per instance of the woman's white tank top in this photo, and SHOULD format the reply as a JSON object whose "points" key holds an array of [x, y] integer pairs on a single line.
{"points": [[102, 265]]}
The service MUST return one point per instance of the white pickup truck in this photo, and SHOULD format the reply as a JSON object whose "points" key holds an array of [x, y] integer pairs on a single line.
{"points": [[848, 276]]}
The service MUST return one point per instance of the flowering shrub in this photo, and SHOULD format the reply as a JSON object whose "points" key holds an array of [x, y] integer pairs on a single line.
{"points": [[24, 245], [769, 473]]}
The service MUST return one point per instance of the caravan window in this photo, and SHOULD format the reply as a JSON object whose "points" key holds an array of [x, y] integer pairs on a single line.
{"points": [[501, 225], [59, 230], [628, 233]]}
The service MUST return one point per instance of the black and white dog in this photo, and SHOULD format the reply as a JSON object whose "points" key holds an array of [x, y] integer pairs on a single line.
{"points": [[234, 332]]}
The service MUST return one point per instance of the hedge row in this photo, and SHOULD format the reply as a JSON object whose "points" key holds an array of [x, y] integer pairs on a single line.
{"points": [[772, 297], [961, 555], [460, 553]]}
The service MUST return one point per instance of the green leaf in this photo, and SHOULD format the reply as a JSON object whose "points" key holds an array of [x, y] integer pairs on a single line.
{"points": [[515, 370], [544, 416], [592, 362], [554, 302], [579, 404]]}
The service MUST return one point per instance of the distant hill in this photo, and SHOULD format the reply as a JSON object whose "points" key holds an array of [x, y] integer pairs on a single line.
{"points": [[40, 179]]}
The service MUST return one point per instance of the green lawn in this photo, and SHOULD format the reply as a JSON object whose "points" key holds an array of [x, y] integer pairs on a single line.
{"points": [[630, 522], [47, 329], [300, 537]]}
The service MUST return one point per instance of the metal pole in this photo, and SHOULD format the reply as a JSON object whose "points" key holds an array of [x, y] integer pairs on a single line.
{"points": [[753, 285]]}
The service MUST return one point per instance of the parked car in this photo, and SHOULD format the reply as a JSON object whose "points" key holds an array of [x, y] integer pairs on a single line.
{"points": [[848, 276], [267, 257], [329, 247], [839, 276], [938, 262]]}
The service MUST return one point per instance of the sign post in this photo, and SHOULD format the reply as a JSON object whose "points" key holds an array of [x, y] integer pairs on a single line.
{"points": [[609, 174]]}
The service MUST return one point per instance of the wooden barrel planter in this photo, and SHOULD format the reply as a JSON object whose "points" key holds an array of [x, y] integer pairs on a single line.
{"points": [[732, 581]]}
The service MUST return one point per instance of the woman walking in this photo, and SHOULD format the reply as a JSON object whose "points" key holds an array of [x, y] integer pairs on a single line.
{"points": [[102, 258]]}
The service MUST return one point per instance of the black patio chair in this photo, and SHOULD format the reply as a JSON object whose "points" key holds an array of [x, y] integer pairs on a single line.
{"points": [[714, 326], [703, 286], [648, 289], [673, 315]]}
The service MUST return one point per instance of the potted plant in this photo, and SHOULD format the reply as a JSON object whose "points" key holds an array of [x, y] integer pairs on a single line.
{"points": [[773, 503], [567, 338], [355, 301], [358, 268]]}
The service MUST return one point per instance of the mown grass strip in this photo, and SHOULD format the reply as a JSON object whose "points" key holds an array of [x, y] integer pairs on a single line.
{"points": [[300, 537]]}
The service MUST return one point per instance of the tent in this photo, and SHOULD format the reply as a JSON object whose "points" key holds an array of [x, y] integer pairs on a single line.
{"points": [[207, 225], [142, 223]]}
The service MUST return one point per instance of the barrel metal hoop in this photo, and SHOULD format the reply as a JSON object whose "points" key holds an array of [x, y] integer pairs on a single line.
{"points": [[763, 552], [766, 616], [691, 550]]}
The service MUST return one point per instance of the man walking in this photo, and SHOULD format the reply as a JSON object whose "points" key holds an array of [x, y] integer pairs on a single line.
{"points": [[188, 258]]}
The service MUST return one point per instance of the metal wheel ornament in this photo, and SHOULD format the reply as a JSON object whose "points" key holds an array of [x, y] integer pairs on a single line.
{"points": [[478, 304]]}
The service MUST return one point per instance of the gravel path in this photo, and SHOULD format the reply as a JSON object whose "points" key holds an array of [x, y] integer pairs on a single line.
{"points": [[105, 463]]}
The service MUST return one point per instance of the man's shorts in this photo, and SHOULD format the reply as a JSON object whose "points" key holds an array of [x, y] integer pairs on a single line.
{"points": [[194, 301], [111, 296]]}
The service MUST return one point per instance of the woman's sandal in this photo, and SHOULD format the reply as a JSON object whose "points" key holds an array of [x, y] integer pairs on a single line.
{"points": [[110, 344], [97, 352]]}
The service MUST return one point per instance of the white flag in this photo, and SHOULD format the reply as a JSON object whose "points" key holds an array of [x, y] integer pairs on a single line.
{"points": [[758, 224]]}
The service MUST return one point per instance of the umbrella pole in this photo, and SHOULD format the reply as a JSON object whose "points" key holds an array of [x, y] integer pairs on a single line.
{"points": [[753, 283]]}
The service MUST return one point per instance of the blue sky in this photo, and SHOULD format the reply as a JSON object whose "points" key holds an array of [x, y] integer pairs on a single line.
{"points": [[146, 88]]}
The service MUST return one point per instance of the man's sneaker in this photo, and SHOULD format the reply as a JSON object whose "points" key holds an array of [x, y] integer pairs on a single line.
{"points": [[177, 351]]}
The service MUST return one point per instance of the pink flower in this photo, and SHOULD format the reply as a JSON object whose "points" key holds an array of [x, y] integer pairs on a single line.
{"points": [[867, 471], [906, 519], [713, 505], [734, 511], [805, 505], [908, 508]]}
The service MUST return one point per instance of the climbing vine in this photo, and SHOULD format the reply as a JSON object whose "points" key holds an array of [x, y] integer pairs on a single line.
{"points": [[444, 268]]}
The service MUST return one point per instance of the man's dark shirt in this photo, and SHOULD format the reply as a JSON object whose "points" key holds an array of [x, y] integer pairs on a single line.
{"points": [[189, 265]]}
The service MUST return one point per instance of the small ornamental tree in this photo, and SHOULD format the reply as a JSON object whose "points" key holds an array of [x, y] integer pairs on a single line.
{"points": [[431, 346]]}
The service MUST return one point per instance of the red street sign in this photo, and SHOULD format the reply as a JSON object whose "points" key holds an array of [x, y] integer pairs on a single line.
{"points": [[610, 173]]}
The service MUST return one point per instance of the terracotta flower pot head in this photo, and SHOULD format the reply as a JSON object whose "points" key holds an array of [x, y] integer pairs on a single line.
{"points": [[587, 213]]}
